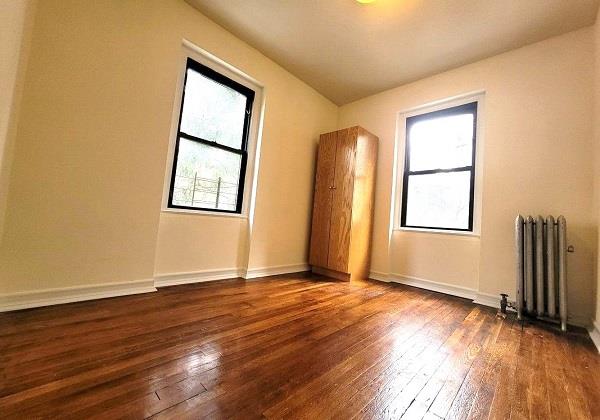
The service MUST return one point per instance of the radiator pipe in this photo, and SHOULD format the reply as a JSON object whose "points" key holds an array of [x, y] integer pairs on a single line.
{"points": [[562, 271], [519, 250], [539, 265], [529, 265], [550, 259]]}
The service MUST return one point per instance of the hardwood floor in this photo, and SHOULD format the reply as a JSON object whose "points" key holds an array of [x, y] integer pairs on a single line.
{"points": [[291, 347]]}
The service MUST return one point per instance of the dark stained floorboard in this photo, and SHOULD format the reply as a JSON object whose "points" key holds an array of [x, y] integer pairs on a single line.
{"points": [[291, 346]]}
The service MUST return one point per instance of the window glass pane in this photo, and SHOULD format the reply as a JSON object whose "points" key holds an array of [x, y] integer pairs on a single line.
{"points": [[206, 177], [439, 200], [212, 111], [441, 143]]}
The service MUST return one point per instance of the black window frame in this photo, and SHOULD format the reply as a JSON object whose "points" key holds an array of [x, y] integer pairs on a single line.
{"points": [[467, 108], [217, 77]]}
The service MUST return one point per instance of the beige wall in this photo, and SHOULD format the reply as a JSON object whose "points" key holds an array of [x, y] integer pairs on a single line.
{"points": [[91, 150], [16, 19], [537, 159], [597, 154], [294, 118], [414, 254], [284, 206]]}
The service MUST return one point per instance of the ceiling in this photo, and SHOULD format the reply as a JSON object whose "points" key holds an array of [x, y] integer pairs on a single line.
{"points": [[346, 50]]}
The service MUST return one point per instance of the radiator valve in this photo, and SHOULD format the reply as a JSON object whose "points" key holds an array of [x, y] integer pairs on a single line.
{"points": [[503, 303]]}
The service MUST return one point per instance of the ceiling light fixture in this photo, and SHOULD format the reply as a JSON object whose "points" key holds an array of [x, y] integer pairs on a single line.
{"points": [[365, 1]]}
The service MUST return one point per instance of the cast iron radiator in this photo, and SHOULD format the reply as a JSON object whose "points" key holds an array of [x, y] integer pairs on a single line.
{"points": [[541, 252]]}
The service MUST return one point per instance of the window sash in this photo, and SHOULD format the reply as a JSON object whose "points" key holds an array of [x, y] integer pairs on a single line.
{"points": [[455, 110], [243, 151]]}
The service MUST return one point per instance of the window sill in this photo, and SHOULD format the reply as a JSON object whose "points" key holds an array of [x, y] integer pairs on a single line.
{"points": [[204, 213], [438, 231]]}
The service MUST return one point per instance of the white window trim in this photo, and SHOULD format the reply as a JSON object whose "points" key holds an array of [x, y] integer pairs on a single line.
{"points": [[479, 97], [190, 50]]}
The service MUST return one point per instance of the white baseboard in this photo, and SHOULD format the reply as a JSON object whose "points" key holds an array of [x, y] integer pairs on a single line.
{"points": [[47, 297], [162, 280], [379, 276], [480, 298], [487, 299], [253, 273], [449, 289], [595, 334]]}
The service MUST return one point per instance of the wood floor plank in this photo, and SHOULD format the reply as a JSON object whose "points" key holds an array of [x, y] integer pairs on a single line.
{"points": [[311, 399], [360, 325], [291, 346], [248, 347], [572, 387], [385, 382], [476, 393], [248, 328], [460, 348], [539, 405], [477, 351], [505, 387], [586, 367]]}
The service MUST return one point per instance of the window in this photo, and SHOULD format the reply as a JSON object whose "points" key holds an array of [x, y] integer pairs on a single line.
{"points": [[211, 147], [439, 169]]}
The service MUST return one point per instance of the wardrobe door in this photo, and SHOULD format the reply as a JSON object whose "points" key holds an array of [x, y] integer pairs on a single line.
{"points": [[321, 218], [341, 208]]}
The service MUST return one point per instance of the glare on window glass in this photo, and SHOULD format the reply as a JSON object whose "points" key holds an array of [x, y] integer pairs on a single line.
{"points": [[212, 111], [441, 143], [439, 200]]}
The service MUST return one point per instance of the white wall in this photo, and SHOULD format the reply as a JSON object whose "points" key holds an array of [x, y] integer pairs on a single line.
{"points": [[537, 158]]}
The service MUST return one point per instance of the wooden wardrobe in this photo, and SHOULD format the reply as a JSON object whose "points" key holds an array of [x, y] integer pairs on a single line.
{"points": [[340, 245]]}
